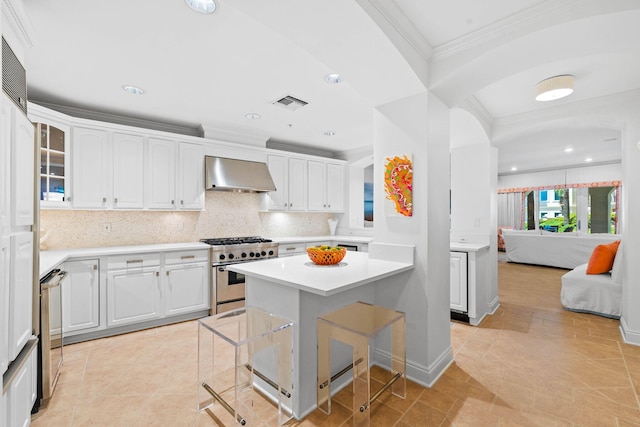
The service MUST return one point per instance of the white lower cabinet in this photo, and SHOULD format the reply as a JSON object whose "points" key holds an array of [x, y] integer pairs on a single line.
{"points": [[458, 281], [81, 296], [187, 288], [133, 295], [21, 393]]}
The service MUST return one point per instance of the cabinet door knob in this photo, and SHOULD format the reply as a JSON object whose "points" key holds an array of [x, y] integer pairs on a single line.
{"points": [[168, 272], [173, 202], [182, 202], [115, 200], [104, 200], [95, 266], [157, 273]]}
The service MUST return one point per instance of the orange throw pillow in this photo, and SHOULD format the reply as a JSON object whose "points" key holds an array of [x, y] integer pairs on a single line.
{"points": [[602, 258]]}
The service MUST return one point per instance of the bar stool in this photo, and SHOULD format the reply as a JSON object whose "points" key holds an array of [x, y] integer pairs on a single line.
{"points": [[241, 350], [356, 325]]}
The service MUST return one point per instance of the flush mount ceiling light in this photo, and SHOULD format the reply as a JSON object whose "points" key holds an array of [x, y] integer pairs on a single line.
{"points": [[588, 159], [513, 169], [202, 6], [568, 150], [329, 133], [554, 88], [133, 89], [252, 116], [333, 78]]}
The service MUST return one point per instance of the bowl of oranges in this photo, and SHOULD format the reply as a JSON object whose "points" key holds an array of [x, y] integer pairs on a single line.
{"points": [[326, 255]]}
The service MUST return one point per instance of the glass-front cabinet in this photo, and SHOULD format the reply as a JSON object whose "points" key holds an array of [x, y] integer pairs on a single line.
{"points": [[54, 166]]}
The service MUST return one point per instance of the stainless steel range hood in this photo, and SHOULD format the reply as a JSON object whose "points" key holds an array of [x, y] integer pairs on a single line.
{"points": [[225, 174]]}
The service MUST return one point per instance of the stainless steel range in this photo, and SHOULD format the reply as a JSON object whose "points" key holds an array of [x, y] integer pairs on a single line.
{"points": [[228, 286]]}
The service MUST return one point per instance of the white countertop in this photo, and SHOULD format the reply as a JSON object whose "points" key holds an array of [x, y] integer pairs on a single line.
{"points": [[51, 259], [299, 272], [467, 247], [340, 238]]}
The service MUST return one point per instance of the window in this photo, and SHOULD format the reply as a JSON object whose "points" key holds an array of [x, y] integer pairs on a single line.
{"points": [[558, 210], [53, 164]]}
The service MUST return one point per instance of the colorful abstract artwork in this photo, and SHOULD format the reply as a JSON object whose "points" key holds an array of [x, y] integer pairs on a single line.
{"points": [[398, 186]]}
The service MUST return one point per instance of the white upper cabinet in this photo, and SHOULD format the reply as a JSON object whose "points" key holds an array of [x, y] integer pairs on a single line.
{"points": [[22, 183], [128, 171], [5, 163], [161, 174], [335, 187], [20, 292], [326, 186], [317, 186], [190, 194], [91, 164], [290, 177], [5, 266]]}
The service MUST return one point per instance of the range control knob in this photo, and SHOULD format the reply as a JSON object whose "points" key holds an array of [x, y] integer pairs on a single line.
{"points": [[222, 256], [263, 253], [231, 256], [251, 254], [243, 254], [257, 255], [270, 253]]}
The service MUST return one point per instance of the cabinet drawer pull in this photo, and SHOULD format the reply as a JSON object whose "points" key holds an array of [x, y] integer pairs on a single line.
{"points": [[173, 202], [187, 256], [168, 272], [182, 202], [157, 273], [115, 200], [133, 261], [290, 249]]}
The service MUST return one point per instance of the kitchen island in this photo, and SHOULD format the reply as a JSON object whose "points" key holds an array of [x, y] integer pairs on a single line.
{"points": [[295, 288]]}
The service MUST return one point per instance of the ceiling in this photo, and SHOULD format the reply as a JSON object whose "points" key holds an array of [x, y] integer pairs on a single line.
{"points": [[209, 71]]}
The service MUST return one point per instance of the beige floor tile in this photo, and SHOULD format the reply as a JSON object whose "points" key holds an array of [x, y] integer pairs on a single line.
{"points": [[531, 363]]}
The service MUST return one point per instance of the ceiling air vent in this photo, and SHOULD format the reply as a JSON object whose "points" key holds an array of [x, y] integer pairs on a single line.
{"points": [[14, 77], [290, 103]]}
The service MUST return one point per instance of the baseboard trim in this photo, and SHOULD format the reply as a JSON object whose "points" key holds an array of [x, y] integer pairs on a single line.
{"points": [[494, 305], [426, 376], [629, 336]]}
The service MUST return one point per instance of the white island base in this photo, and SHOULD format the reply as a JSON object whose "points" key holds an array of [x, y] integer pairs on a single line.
{"points": [[292, 288]]}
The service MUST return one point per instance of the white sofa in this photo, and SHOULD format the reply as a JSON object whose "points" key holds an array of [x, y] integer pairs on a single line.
{"points": [[562, 250], [594, 293]]}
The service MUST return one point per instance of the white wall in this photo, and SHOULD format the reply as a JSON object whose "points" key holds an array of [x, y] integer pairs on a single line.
{"points": [[418, 125], [611, 172], [474, 174]]}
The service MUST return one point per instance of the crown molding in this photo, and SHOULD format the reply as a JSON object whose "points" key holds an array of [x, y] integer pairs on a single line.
{"points": [[402, 25], [524, 21], [300, 149], [14, 11], [121, 120]]}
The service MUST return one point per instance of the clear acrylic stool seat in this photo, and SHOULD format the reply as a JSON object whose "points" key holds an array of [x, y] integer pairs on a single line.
{"points": [[356, 325], [245, 355]]}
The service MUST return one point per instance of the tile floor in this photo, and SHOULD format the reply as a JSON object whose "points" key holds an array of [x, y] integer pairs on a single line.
{"points": [[530, 364]]}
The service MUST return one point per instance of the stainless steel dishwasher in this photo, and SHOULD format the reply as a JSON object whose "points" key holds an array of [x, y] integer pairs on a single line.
{"points": [[50, 332]]}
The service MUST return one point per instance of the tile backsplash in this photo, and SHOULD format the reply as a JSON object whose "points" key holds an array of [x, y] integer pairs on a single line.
{"points": [[226, 214]]}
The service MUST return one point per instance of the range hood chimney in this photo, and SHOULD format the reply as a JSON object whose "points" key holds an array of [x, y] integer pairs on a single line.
{"points": [[223, 174]]}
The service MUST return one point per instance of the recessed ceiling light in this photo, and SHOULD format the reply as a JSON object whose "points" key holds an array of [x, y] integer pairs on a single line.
{"points": [[333, 78], [133, 89], [588, 159], [252, 116], [513, 169], [202, 6], [568, 150], [554, 88], [329, 133]]}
